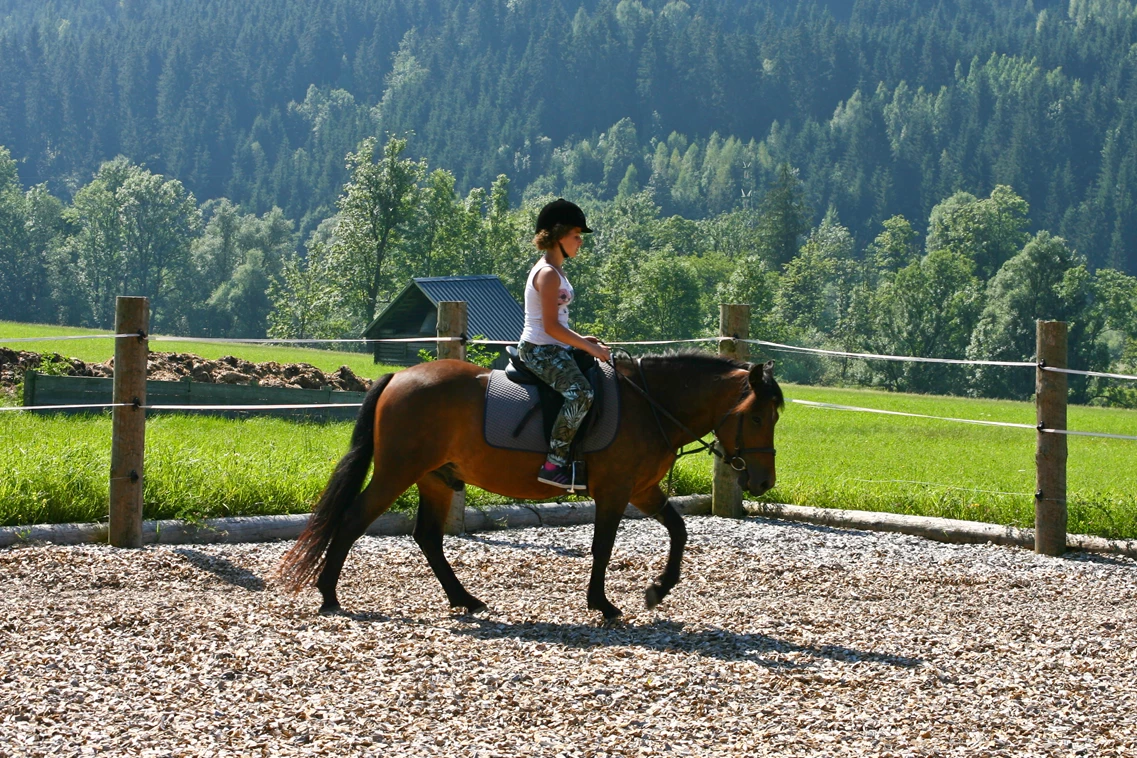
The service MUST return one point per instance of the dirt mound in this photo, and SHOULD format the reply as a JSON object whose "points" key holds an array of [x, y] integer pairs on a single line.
{"points": [[173, 367]]}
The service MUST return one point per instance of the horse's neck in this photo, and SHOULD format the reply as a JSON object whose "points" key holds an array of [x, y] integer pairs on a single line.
{"points": [[699, 400]]}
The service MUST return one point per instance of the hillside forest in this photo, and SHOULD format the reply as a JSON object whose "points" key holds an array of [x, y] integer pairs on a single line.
{"points": [[922, 178]]}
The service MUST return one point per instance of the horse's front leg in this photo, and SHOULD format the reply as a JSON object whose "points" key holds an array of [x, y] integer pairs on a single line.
{"points": [[655, 504], [609, 511]]}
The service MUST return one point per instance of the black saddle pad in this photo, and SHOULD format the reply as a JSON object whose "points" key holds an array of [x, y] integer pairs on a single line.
{"points": [[518, 419]]}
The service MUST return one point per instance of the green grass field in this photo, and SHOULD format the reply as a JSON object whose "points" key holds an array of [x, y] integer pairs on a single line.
{"points": [[99, 350], [55, 469], [863, 461]]}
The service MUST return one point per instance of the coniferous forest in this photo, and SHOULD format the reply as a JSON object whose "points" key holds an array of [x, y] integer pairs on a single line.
{"points": [[917, 177]]}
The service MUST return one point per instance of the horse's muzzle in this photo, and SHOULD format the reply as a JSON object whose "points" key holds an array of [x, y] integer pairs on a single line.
{"points": [[757, 480]]}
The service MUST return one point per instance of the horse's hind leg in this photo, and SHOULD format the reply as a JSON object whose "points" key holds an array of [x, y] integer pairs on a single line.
{"points": [[368, 505], [655, 504], [434, 505]]}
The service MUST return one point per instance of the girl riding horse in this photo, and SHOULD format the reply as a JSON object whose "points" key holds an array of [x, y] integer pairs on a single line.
{"points": [[547, 341]]}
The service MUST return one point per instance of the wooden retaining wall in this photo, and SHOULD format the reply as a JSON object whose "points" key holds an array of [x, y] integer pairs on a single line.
{"points": [[43, 389]]}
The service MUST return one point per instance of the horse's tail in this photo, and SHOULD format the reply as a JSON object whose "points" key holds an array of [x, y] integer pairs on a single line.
{"points": [[301, 564]]}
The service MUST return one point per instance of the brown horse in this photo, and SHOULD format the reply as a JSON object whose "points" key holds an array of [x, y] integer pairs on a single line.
{"points": [[424, 426]]}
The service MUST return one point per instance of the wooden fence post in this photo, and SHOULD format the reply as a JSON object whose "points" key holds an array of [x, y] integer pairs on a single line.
{"points": [[452, 323], [726, 494], [1050, 454], [128, 436]]}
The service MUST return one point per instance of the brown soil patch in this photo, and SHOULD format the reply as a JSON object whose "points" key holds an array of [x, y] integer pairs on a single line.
{"points": [[175, 367]]}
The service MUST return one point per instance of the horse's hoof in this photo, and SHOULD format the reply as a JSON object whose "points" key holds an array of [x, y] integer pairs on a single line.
{"points": [[614, 619], [654, 596], [609, 611], [331, 609], [473, 606], [611, 614]]}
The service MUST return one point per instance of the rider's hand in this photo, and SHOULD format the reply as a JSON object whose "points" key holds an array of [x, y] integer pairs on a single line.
{"points": [[602, 352]]}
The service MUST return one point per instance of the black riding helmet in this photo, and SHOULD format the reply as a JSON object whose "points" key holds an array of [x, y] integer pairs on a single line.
{"points": [[561, 211]]}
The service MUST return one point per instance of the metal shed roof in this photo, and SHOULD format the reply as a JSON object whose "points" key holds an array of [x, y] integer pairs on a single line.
{"points": [[490, 310]]}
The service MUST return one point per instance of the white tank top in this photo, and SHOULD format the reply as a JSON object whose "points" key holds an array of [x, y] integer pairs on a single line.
{"points": [[534, 331]]}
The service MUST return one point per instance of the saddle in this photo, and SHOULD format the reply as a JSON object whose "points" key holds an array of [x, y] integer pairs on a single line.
{"points": [[514, 398]]}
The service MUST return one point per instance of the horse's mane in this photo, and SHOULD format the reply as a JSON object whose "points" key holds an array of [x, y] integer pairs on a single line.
{"points": [[696, 356], [702, 361]]}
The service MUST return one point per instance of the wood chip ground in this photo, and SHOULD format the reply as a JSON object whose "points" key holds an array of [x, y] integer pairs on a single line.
{"points": [[782, 639]]}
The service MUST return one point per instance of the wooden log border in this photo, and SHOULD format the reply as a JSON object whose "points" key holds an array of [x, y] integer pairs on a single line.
{"points": [[272, 528]]}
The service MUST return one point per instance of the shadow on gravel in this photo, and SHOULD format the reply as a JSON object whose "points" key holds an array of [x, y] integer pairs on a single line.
{"points": [[223, 569], [1104, 560], [568, 552], [670, 636]]}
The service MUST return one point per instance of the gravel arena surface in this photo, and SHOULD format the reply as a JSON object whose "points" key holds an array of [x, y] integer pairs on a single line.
{"points": [[782, 639]]}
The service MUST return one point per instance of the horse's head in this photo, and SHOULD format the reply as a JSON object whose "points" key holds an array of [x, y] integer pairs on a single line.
{"points": [[750, 444]]}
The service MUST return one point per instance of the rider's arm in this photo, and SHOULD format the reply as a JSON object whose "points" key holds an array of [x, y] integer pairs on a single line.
{"points": [[548, 284]]}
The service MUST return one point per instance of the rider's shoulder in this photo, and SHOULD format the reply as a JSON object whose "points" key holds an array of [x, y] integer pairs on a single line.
{"points": [[548, 274]]}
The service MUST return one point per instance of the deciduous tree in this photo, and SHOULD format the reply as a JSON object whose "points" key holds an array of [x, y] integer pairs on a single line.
{"points": [[928, 310], [376, 206], [1045, 281], [989, 231]]}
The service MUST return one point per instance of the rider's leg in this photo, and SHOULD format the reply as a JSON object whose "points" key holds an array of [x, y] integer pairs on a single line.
{"points": [[556, 367]]}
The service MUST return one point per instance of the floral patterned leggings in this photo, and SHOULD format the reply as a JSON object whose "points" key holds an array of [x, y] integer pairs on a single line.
{"points": [[555, 366]]}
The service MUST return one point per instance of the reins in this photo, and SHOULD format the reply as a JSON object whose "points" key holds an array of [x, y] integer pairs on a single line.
{"points": [[735, 460]]}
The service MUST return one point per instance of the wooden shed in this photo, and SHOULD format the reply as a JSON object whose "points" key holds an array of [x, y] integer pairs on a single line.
{"points": [[490, 312]]}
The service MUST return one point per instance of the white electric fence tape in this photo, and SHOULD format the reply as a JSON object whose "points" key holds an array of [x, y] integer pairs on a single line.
{"points": [[874, 356], [6, 340], [835, 407], [62, 407], [1089, 373]]}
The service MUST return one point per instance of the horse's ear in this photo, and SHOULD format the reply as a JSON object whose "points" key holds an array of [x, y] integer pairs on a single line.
{"points": [[761, 373]]}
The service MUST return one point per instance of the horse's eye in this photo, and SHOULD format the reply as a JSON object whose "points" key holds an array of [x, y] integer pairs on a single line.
{"points": [[757, 420]]}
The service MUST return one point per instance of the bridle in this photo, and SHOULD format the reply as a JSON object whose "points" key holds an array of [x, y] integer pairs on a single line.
{"points": [[733, 459]]}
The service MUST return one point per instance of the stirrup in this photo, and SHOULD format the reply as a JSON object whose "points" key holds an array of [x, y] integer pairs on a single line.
{"points": [[579, 475]]}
